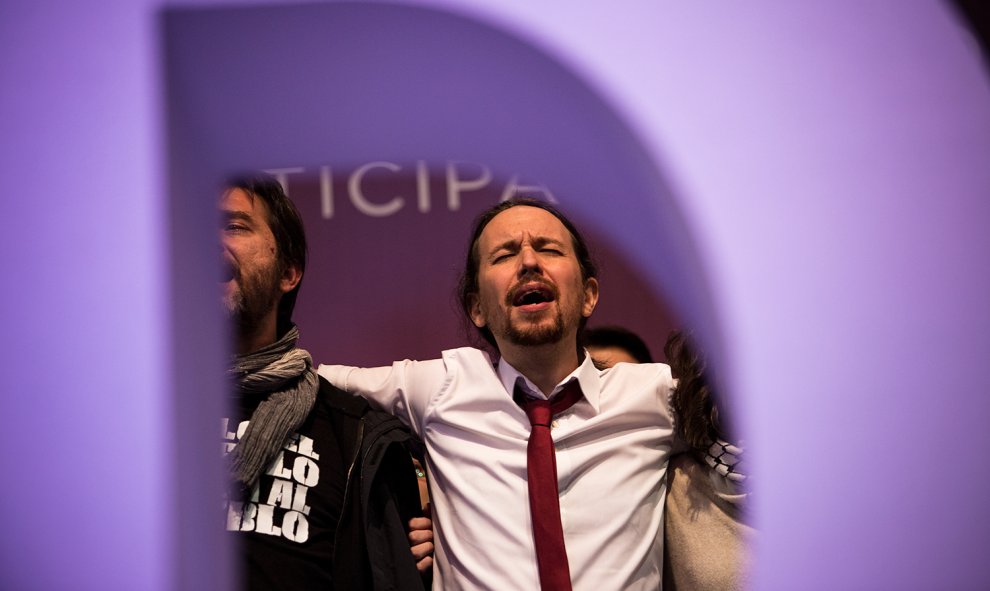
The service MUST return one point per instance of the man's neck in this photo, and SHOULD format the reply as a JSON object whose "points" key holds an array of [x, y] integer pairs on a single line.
{"points": [[252, 338], [544, 365]]}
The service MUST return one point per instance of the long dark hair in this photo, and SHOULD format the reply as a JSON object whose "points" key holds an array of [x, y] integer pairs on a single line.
{"points": [[694, 400]]}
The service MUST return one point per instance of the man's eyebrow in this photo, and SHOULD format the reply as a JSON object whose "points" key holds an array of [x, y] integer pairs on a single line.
{"points": [[513, 244], [507, 245], [236, 214], [545, 240]]}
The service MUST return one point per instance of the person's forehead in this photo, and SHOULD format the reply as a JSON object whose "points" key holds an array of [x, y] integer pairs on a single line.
{"points": [[239, 200], [522, 220]]}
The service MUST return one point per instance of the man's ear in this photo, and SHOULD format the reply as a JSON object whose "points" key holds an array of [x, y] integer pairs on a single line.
{"points": [[590, 297], [474, 310], [291, 277]]}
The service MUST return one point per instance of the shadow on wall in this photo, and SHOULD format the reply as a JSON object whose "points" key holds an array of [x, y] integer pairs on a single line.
{"points": [[381, 84]]}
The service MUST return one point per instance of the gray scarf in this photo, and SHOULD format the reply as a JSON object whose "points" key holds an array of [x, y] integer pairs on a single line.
{"points": [[282, 375]]}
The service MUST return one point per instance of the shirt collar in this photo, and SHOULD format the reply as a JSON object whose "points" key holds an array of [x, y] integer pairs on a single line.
{"points": [[586, 374]]}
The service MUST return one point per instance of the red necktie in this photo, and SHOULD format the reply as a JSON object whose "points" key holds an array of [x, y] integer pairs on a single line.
{"points": [[544, 501]]}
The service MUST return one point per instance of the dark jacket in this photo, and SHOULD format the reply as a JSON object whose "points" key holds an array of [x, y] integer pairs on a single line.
{"points": [[371, 550]]}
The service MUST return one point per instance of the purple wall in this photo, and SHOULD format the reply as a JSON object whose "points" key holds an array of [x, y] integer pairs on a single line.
{"points": [[85, 420], [825, 167]]}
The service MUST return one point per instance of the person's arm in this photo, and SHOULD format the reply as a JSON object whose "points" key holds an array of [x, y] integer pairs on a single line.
{"points": [[403, 389]]}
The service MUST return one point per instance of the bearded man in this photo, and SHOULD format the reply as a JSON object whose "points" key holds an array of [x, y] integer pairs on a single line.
{"points": [[545, 472], [323, 487]]}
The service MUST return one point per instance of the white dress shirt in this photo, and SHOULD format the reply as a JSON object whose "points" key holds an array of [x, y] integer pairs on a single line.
{"points": [[612, 451]]}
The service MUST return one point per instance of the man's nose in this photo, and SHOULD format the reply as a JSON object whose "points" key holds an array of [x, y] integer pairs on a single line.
{"points": [[528, 260]]}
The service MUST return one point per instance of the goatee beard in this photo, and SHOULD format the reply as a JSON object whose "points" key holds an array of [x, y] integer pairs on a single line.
{"points": [[534, 336]]}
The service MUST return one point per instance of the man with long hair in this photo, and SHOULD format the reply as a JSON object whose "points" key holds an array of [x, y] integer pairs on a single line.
{"points": [[545, 472]]}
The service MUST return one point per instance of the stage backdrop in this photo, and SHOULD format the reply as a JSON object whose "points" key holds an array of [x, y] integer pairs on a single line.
{"points": [[387, 244]]}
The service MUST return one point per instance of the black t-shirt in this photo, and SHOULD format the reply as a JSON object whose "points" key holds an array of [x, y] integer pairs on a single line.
{"points": [[285, 528]]}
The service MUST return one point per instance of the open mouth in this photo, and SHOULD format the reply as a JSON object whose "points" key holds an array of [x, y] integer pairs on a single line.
{"points": [[532, 296]]}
